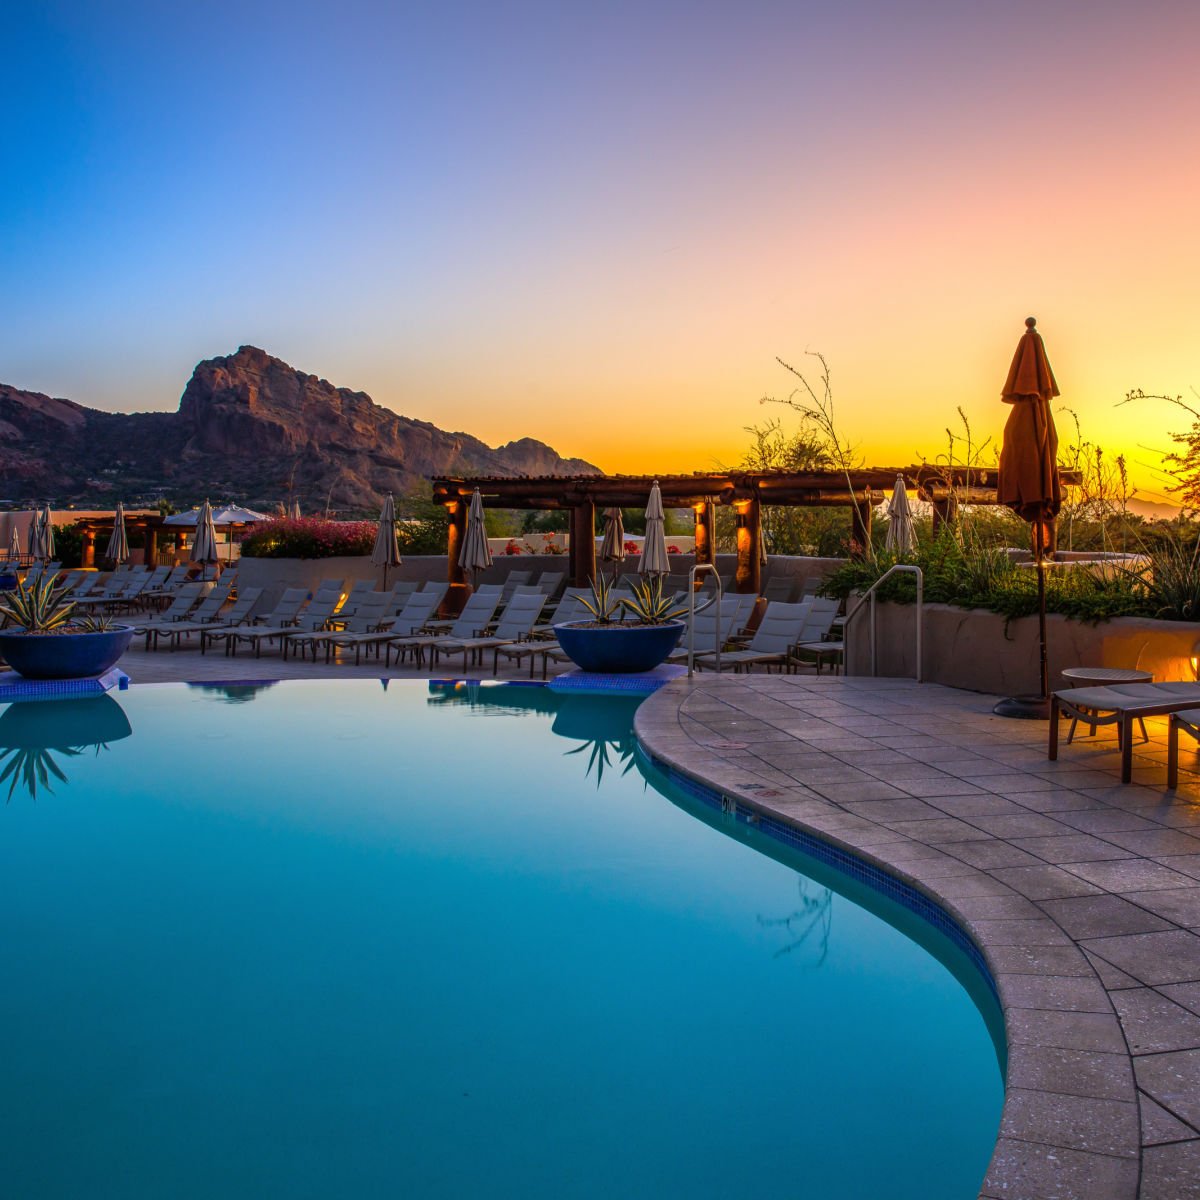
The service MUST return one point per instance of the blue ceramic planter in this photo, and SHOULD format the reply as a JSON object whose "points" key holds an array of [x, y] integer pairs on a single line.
{"points": [[618, 649], [64, 655]]}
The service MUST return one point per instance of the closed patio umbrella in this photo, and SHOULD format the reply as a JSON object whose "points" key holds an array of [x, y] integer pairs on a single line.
{"points": [[204, 547], [47, 533], [475, 555], [612, 548], [387, 549], [118, 544], [37, 536], [901, 536], [654, 559], [293, 511], [1028, 483], [14, 544]]}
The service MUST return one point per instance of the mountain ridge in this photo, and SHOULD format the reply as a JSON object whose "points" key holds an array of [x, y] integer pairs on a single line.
{"points": [[249, 427]]}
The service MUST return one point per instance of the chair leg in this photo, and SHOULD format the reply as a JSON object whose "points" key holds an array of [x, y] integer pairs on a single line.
{"points": [[1052, 745], [1125, 725], [1172, 753]]}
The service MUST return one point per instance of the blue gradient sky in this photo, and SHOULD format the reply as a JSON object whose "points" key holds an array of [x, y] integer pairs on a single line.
{"points": [[549, 220]]}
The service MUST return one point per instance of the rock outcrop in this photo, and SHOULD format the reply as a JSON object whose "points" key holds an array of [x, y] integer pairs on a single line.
{"points": [[251, 428]]}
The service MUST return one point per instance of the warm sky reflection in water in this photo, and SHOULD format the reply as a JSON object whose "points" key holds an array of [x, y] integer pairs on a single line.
{"points": [[331, 939]]}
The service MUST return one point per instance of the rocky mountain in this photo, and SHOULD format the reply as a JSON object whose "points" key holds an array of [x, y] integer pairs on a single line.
{"points": [[249, 428]]}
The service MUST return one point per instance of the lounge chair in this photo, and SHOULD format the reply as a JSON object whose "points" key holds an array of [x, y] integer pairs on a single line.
{"points": [[512, 581], [179, 609], [735, 613], [811, 648], [282, 616], [1121, 704], [549, 582], [780, 589], [371, 612], [209, 615], [194, 602], [472, 622], [380, 617], [312, 618], [515, 625], [772, 643]]}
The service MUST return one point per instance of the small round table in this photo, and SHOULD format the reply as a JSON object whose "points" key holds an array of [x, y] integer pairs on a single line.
{"points": [[1083, 676]]}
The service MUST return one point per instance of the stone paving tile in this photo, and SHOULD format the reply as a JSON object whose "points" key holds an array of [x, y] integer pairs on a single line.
{"points": [[1101, 915], [1029, 1171], [1172, 956], [1108, 975], [1171, 1172], [1077, 1122], [1128, 874], [1173, 1080], [1071, 848], [1153, 1023], [1156, 841], [1075, 993], [1159, 1126], [1044, 882], [1072, 1072], [1181, 906]]}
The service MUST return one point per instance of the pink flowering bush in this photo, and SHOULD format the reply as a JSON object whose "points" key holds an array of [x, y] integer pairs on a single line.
{"points": [[309, 537]]}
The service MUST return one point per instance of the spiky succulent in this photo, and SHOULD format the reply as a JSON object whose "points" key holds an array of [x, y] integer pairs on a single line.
{"points": [[39, 607], [603, 603], [651, 605], [93, 623]]}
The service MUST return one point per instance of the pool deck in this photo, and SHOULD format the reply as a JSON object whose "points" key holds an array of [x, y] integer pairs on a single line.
{"points": [[1083, 894]]}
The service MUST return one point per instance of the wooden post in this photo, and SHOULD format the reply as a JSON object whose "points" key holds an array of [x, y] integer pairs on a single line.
{"points": [[749, 546], [583, 544], [706, 535], [860, 527], [456, 597], [945, 513], [151, 546], [89, 549]]}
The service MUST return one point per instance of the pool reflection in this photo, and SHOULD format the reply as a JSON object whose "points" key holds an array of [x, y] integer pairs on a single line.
{"points": [[36, 734]]}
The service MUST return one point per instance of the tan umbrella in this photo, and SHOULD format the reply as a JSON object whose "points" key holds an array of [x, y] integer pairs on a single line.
{"points": [[475, 555], [1028, 480], [118, 543], [14, 544], [204, 548], [901, 535], [387, 550], [612, 548], [293, 511], [47, 533], [654, 560]]}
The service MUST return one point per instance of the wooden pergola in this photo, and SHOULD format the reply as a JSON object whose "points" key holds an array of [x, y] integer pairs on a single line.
{"points": [[745, 491], [96, 530]]}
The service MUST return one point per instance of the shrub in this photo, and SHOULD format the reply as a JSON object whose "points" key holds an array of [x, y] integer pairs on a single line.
{"points": [[309, 537]]}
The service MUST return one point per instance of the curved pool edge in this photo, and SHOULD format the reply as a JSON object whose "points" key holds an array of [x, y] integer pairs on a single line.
{"points": [[1032, 1141]]}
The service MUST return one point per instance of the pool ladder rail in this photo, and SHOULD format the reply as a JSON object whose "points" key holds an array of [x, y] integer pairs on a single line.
{"points": [[693, 610]]}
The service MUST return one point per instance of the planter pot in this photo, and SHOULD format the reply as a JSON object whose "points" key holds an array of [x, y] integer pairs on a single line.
{"points": [[64, 655], [618, 649]]}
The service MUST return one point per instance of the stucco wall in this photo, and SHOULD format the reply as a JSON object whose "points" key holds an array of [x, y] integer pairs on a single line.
{"points": [[981, 651]]}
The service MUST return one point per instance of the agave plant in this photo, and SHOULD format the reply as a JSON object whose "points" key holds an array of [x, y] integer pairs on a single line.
{"points": [[93, 623], [603, 604], [650, 604], [40, 607]]}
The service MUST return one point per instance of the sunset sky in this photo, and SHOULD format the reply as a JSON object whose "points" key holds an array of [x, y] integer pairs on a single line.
{"points": [[598, 225]]}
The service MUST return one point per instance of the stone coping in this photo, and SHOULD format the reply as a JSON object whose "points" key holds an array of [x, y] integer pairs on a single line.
{"points": [[1082, 895]]}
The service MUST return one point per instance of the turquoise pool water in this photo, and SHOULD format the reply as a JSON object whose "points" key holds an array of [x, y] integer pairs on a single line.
{"points": [[336, 940]]}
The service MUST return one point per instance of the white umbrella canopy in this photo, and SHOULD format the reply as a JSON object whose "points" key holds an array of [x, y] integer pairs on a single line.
{"points": [[118, 543], [475, 554], [204, 546], [901, 534], [386, 552], [612, 548], [654, 559], [226, 514]]}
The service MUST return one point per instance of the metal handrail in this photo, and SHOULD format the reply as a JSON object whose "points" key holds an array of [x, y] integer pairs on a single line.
{"points": [[869, 595], [692, 615]]}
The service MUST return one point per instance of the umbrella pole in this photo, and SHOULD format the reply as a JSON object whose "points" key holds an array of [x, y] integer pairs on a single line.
{"points": [[1044, 676]]}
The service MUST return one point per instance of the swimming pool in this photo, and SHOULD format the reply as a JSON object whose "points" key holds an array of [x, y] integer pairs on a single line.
{"points": [[341, 939]]}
